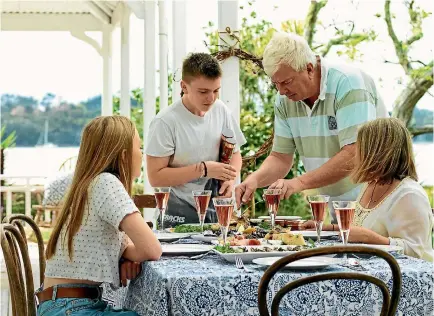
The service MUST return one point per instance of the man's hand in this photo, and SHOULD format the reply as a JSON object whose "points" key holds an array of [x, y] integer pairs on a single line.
{"points": [[245, 191], [288, 187], [227, 188], [129, 270]]}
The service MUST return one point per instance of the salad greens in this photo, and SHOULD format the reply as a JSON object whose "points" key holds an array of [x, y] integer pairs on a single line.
{"points": [[228, 249], [191, 228]]}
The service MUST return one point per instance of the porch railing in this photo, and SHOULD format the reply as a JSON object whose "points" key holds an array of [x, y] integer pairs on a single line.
{"points": [[27, 188]]}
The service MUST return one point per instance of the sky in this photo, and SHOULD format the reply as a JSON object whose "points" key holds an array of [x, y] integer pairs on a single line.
{"points": [[34, 63]]}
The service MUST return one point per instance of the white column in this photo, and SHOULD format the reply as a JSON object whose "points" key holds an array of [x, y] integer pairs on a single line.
{"points": [[230, 91], [164, 52], [8, 203], [28, 198], [179, 37], [107, 94], [149, 81], [125, 106]]}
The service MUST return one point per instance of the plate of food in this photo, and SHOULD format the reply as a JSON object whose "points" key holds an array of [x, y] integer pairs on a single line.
{"points": [[192, 228], [302, 264], [273, 244], [248, 253]]}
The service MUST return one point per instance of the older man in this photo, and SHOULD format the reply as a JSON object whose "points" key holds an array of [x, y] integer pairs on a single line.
{"points": [[317, 113]]}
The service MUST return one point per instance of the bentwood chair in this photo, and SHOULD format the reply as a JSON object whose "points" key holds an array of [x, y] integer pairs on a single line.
{"points": [[390, 303], [145, 201], [16, 256]]}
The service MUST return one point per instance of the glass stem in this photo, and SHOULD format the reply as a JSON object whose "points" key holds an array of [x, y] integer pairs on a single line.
{"points": [[318, 226], [162, 211], [344, 236], [273, 219], [224, 231]]}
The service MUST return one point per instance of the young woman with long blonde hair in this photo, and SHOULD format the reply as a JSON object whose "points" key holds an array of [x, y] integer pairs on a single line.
{"points": [[99, 223]]}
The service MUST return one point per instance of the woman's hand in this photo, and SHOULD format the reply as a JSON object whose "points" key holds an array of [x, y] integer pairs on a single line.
{"points": [[220, 171], [308, 225], [129, 270]]}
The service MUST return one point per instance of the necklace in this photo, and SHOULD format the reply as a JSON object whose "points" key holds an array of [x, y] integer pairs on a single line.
{"points": [[372, 194]]}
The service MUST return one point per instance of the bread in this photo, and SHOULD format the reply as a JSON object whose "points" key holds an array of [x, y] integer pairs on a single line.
{"points": [[293, 239]]}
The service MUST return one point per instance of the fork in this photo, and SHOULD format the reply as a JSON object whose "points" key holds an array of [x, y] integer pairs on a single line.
{"points": [[240, 265]]}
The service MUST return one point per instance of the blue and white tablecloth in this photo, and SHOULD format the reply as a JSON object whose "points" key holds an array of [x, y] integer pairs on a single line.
{"points": [[212, 286]]}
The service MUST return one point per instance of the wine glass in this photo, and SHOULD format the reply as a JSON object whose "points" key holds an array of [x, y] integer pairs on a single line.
{"points": [[272, 201], [201, 198], [318, 205], [162, 197], [345, 215], [224, 208]]}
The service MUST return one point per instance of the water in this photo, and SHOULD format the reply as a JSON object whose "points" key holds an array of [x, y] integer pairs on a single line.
{"points": [[39, 161]]}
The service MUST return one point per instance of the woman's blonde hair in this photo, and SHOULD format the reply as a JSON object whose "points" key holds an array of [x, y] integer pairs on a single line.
{"points": [[287, 48], [384, 152], [106, 146]]}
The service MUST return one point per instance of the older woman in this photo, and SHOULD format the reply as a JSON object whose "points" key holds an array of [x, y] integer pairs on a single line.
{"points": [[392, 208]]}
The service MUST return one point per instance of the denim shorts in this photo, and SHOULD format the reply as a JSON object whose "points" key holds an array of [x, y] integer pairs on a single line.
{"points": [[79, 306]]}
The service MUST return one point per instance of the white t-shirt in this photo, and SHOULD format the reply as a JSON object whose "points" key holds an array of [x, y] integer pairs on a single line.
{"points": [[190, 139], [404, 216], [98, 244]]}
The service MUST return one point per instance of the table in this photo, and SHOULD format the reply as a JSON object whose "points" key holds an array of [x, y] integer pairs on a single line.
{"points": [[212, 286]]}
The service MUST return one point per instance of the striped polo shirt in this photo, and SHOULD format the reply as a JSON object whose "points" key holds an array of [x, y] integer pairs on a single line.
{"points": [[348, 98]]}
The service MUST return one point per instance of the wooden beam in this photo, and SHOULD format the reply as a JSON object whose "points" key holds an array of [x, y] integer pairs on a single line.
{"points": [[81, 35], [49, 22], [103, 6], [98, 13], [118, 13]]}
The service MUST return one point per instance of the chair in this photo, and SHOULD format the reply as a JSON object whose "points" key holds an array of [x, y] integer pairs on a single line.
{"points": [[145, 201], [16, 255], [390, 304]]}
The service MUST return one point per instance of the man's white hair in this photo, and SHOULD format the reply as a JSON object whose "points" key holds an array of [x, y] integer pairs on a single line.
{"points": [[287, 48]]}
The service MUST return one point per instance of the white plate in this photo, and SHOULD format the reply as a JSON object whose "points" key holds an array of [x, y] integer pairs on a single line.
{"points": [[167, 237], [208, 239], [286, 218], [312, 233], [256, 220], [185, 249], [387, 248], [308, 263], [249, 256]]}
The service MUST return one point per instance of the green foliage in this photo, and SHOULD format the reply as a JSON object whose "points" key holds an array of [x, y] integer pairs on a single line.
{"points": [[9, 140], [257, 103], [430, 192]]}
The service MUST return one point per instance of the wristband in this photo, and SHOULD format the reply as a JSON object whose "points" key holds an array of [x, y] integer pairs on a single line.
{"points": [[205, 169]]}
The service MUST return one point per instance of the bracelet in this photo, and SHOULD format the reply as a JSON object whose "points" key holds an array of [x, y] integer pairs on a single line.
{"points": [[206, 170]]}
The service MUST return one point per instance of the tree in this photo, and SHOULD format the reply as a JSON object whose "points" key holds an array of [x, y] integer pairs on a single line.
{"points": [[419, 73], [257, 94]]}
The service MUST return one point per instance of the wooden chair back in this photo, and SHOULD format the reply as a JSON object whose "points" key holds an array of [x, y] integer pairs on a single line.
{"points": [[16, 255], [145, 201], [390, 303]]}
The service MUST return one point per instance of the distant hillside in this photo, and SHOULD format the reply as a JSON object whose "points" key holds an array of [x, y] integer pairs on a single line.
{"points": [[27, 116]]}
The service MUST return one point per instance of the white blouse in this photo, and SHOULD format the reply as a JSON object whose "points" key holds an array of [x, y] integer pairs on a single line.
{"points": [[98, 244], [404, 216]]}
